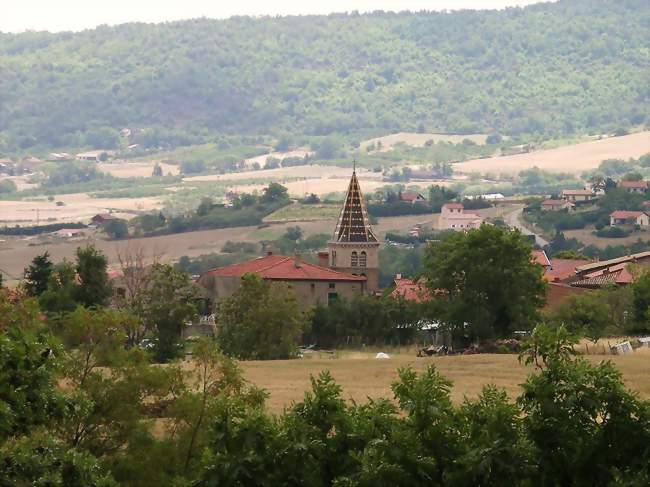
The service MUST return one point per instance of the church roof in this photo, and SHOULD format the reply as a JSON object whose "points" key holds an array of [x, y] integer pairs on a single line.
{"points": [[353, 225]]}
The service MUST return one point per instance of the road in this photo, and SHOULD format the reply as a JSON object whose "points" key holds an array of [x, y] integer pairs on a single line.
{"points": [[513, 219]]}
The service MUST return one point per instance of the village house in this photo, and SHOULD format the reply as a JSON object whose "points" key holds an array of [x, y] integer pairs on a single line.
{"points": [[411, 197], [454, 217], [577, 194], [633, 186], [557, 205], [623, 217], [101, 219], [349, 267], [619, 271], [95, 155]]}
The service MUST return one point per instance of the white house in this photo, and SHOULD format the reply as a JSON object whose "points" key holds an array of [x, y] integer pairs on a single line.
{"points": [[623, 217], [454, 217]]}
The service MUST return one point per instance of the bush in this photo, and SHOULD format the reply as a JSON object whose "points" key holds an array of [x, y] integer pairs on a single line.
{"points": [[612, 232]]}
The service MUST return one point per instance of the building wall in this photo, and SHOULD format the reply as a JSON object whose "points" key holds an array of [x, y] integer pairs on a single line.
{"points": [[308, 293], [340, 259]]}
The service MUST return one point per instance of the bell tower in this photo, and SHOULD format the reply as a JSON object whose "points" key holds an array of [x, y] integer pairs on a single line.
{"points": [[354, 248]]}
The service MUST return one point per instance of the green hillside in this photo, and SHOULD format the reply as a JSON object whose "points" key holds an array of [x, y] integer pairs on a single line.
{"points": [[558, 68]]}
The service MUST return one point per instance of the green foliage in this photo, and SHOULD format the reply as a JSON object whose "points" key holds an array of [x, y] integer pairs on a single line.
{"points": [[585, 314], [59, 297], [261, 320], [7, 186], [37, 275], [513, 68], [612, 232], [465, 266], [116, 229], [172, 300], [73, 173], [293, 233], [94, 289]]}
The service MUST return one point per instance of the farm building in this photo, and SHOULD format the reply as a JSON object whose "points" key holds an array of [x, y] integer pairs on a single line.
{"points": [[454, 217], [577, 194], [101, 219], [411, 197], [633, 186], [557, 205], [622, 217]]}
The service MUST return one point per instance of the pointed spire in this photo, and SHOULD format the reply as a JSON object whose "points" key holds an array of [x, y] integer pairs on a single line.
{"points": [[353, 225]]}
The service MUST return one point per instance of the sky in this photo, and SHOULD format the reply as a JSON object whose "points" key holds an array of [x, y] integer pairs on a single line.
{"points": [[61, 15]]}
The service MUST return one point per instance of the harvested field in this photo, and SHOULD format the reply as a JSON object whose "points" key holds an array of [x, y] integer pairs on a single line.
{"points": [[300, 212], [362, 376], [320, 187], [77, 207], [573, 158], [261, 160], [418, 140], [125, 169], [307, 171]]}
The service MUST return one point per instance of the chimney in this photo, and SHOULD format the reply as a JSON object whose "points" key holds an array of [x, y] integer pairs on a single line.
{"points": [[398, 276], [323, 258], [296, 260], [269, 252]]}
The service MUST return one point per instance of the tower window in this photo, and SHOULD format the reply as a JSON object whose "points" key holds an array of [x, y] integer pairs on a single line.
{"points": [[354, 260], [362, 259]]}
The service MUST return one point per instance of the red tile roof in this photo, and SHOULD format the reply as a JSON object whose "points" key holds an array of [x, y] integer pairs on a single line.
{"points": [[633, 184], [410, 196], [539, 257], [578, 192], [453, 206], [563, 269], [410, 290], [625, 214], [554, 203], [283, 268]]}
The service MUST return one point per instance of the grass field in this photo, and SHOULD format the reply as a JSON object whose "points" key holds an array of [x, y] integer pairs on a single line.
{"points": [[568, 159], [362, 376], [301, 212], [587, 237]]}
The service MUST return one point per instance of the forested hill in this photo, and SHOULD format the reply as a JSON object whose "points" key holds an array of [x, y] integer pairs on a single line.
{"points": [[571, 66]]}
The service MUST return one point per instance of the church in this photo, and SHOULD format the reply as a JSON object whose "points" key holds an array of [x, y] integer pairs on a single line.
{"points": [[348, 268]]}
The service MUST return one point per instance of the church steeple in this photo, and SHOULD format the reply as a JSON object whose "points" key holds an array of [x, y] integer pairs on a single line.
{"points": [[353, 225], [354, 247]]}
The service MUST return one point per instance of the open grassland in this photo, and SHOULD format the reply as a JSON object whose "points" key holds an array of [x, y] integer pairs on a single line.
{"points": [[125, 169], [418, 140], [301, 212], [362, 376], [568, 159], [586, 236]]}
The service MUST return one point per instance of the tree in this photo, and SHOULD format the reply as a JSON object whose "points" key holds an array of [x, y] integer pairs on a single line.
{"points": [[485, 278], [94, 287], [157, 171], [274, 192], [586, 314], [116, 229], [641, 302], [293, 233], [60, 295], [262, 320], [37, 275], [171, 301]]}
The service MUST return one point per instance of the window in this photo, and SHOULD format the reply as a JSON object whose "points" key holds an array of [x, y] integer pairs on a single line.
{"points": [[333, 258], [362, 259], [312, 287], [332, 298], [354, 260], [332, 285]]}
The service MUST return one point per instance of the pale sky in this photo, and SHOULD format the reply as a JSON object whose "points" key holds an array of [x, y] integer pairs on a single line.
{"points": [[59, 15]]}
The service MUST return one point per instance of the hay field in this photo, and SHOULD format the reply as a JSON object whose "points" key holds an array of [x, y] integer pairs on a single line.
{"points": [[572, 158], [418, 140], [318, 186], [587, 237], [362, 376], [125, 169], [306, 171], [261, 160], [77, 207]]}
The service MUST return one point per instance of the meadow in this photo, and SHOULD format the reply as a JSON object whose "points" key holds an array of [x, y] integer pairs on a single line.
{"points": [[362, 376]]}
